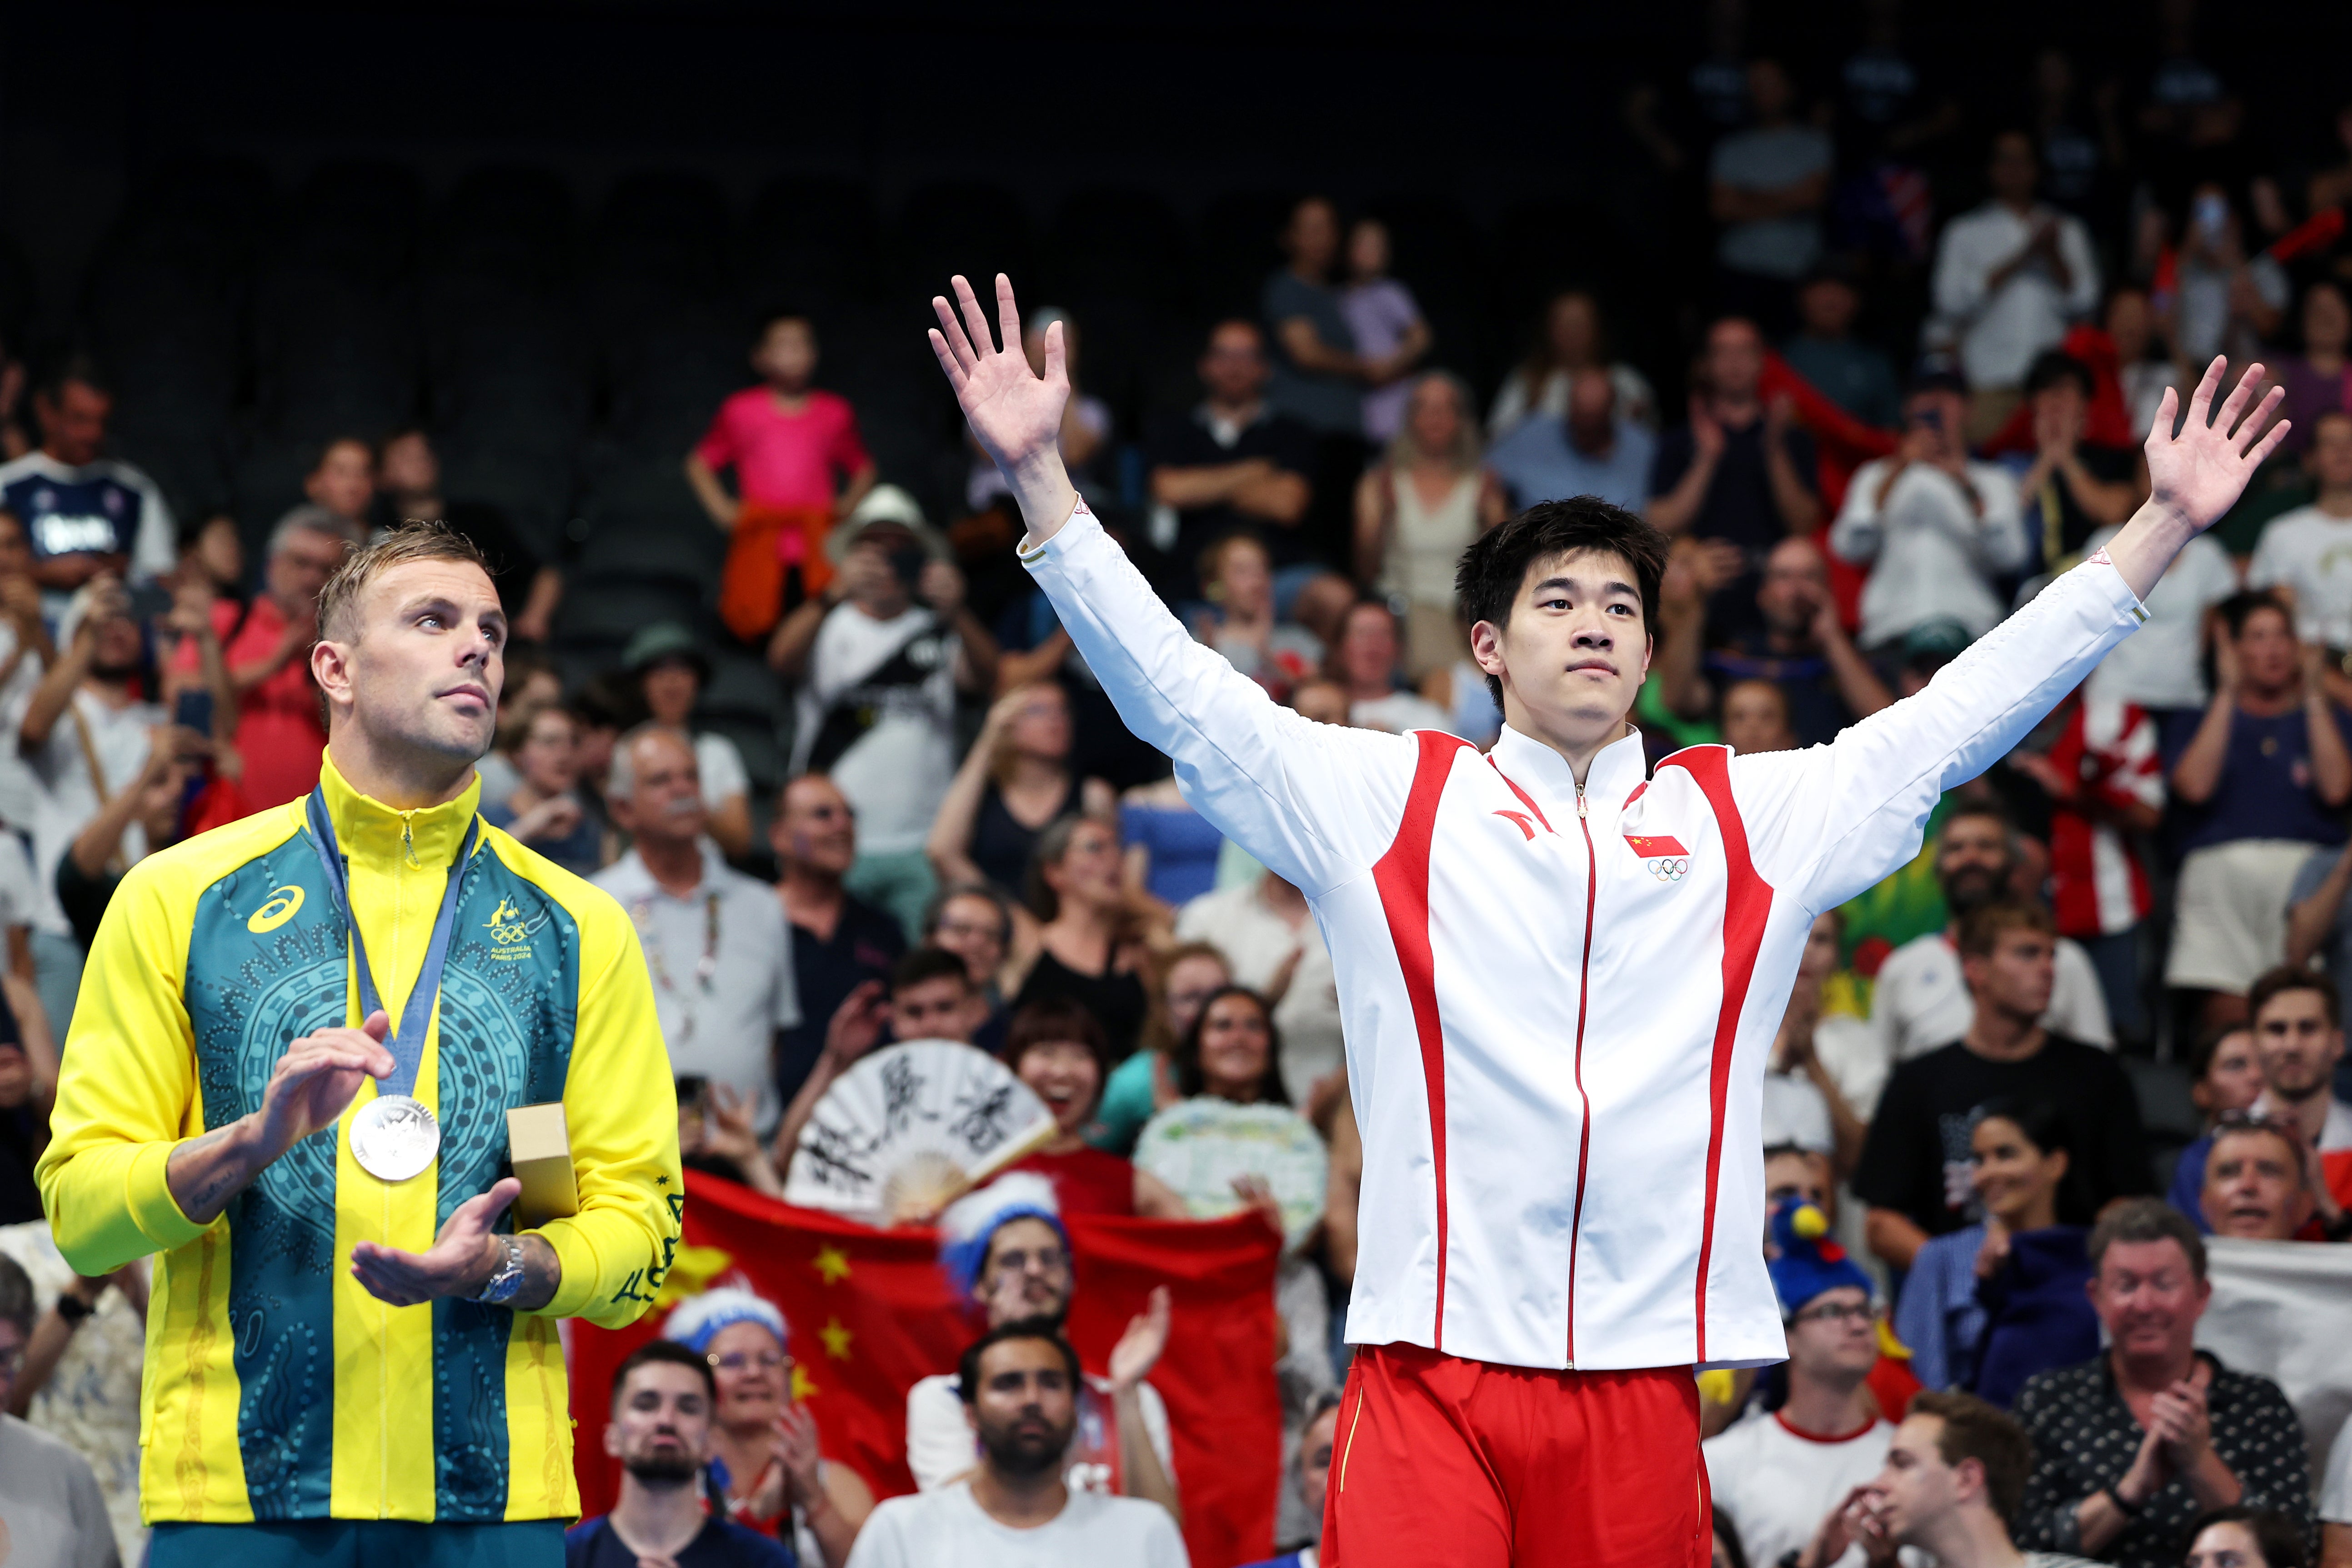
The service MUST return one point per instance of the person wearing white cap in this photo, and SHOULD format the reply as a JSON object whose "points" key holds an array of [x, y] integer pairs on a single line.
{"points": [[877, 658], [1004, 1250], [765, 1471]]}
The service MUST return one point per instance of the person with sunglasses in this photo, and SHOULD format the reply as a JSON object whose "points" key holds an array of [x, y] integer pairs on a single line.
{"points": [[765, 1471], [1778, 1473]]}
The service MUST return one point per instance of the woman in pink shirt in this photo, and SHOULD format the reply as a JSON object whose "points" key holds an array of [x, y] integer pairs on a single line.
{"points": [[798, 465]]}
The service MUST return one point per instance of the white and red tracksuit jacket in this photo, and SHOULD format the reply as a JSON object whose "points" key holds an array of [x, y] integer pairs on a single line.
{"points": [[1558, 1002]]}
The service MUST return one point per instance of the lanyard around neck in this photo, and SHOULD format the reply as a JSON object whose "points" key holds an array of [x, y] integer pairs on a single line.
{"points": [[406, 1042]]}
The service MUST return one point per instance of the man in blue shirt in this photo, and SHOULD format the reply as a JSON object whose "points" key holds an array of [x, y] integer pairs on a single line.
{"points": [[83, 513], [660, 1431], [1590, 452]]}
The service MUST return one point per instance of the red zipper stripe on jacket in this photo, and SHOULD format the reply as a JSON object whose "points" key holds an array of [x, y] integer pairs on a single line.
{"points": [[1584, 1105], [1402, 875], [1748, 902]]}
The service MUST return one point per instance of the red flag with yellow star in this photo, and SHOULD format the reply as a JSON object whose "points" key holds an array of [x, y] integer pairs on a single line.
{"points": [[870, 1314]]}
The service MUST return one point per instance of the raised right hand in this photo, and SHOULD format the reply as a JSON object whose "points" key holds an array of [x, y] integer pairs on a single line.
{"points": [[1014, 414], [316, 1078]]}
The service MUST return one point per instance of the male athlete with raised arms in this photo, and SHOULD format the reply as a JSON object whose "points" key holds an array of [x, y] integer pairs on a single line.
{"points": [[1560, 979]]}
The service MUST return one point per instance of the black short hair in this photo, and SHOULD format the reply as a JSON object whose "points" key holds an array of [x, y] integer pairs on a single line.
{"points": [[73, 365], [1495, 567], [928, 964], [1051, 1019], [670, 1352], [2209, 1046], [1045, 1329], [2054, 365], [2241, 608], [2278, 1538]]}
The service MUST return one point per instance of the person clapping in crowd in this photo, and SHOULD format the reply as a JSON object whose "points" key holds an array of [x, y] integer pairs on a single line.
{"points": [[1093, 936], [2131, 1447], [764, 1468], [1018, 1388], [1006, 1252]]}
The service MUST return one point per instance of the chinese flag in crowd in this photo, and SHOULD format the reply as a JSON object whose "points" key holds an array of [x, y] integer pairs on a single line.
{"points": [[870, 1314]]}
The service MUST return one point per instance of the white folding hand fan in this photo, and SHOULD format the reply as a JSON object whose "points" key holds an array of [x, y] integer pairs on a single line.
{"points": [[912, 1128]]}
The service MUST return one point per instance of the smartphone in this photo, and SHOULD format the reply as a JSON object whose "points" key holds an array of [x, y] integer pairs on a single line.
{"points": [[149, 601], [194, 710], [909, 565], [693, 1092]]}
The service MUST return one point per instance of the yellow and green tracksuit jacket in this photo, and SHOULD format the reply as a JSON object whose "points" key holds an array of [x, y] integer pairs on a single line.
{"points": [[274, 1386]]}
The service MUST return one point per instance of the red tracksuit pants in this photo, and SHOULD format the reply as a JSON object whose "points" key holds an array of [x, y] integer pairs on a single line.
{"points": [[1475, 1465]]}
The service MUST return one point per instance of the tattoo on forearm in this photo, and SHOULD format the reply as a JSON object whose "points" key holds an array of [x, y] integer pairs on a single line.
{"points": [[542, 1271], [204, 1173]]}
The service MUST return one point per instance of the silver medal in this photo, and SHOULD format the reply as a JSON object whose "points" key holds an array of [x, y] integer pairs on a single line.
{"points": [[395, 1137]]}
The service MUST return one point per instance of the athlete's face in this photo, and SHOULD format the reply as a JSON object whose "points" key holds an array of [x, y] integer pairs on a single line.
{"points": [[1574, 651], [420, 666]]}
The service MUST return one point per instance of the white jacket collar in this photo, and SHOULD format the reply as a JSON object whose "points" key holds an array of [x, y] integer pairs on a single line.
{"points": [[1617, 768]]}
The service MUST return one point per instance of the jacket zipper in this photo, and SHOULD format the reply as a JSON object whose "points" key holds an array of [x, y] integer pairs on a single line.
{"points": [[1584, 1106]]}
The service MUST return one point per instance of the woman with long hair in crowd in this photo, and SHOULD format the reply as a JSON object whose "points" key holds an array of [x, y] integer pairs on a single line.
{"points": [[766, 1471], [1573, 340], [1014, 781], [1092, 938], [1417, 510], [1057, 1049], [1183, 978], [1985, 1308]]}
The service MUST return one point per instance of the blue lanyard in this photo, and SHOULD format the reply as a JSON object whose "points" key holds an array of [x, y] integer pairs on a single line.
{"points": [[406, 1042]]}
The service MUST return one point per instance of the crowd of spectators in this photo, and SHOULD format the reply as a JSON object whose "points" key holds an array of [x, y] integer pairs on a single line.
{"points": [[2112, 973]]}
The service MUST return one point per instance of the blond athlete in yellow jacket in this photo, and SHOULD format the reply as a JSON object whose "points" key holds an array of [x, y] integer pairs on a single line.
{"points": [[343, 1368]]}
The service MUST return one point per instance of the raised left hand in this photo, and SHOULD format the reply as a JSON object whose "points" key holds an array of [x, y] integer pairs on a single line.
{"points": [[1138, 1350], [460, 1262], [2199, 474]]}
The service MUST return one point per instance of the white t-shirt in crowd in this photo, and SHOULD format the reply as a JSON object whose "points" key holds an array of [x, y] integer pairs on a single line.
{"points": [[1797, 1112], [2309, 552], [20, 901], [2000, 329], [71, 794], [1933, 546], [20, 790], [877, 712], [1856, 1059], [940, 1447], [1921, 1002], [947, 1526], [2161, 666], [721, 768], [1778, 1483]]}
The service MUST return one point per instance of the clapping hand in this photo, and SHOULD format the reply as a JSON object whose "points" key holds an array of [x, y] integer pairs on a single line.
{"points": [[1138, 1350], [2199, 474]]}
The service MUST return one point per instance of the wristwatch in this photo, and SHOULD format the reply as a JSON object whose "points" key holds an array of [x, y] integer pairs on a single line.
{"points": [[506, 1278]]}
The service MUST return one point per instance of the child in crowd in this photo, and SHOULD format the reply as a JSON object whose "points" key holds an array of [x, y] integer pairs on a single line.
{"points": [[798, 465]]}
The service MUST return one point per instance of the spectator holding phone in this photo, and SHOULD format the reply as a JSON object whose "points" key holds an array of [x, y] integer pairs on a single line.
{"points": [[878, 658], [155, 803], [273, 704]]}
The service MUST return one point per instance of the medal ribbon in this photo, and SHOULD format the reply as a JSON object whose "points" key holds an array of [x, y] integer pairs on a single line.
{"points": [[406, 1042]]}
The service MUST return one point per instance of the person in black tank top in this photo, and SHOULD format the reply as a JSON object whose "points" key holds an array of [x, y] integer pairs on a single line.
{"points": [[1014, 781], [1089, 950]]}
